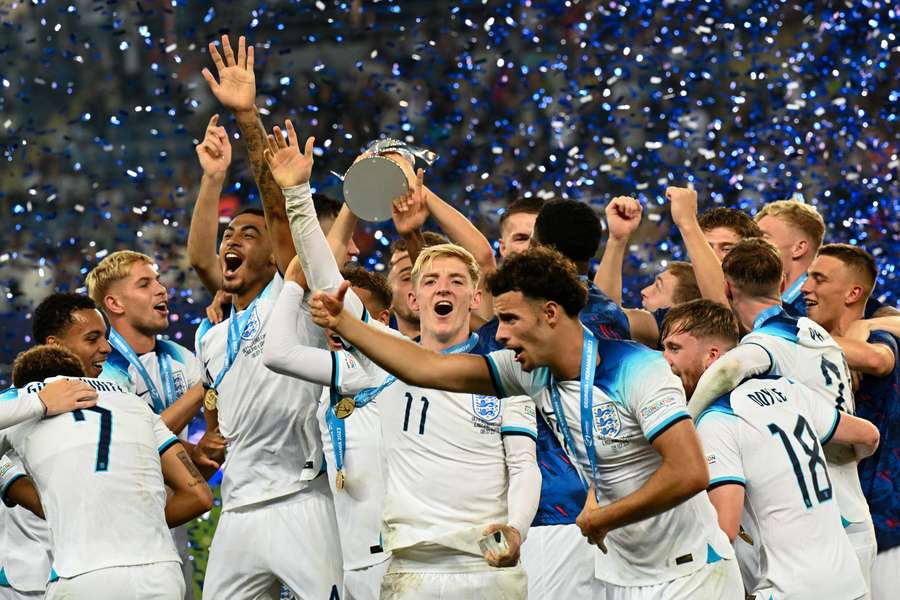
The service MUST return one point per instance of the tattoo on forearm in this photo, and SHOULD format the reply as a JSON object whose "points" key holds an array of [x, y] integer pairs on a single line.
{"points": [[191, 467], [254, 135]]}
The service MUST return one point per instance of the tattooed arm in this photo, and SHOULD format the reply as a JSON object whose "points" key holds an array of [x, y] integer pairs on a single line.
{"points": [[192, 496]]}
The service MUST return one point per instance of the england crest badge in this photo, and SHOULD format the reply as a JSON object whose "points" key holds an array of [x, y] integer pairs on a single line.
{"points": [[252, 326], [486, 408], [607, 420]]}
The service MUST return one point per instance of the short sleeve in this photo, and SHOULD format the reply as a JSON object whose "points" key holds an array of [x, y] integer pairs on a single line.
{"points": [[11, 469], [654, 394], [508, 377], [883, 337], [193, 368], [165, 439], [349, 374], [519, 417], [721, 442]]}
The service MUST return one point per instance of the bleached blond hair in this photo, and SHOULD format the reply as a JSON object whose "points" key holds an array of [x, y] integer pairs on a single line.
{"points": [[111, 269], [429, 254]]}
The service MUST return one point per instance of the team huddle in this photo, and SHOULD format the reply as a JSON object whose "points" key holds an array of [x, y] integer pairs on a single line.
{"points": [[459, 429]]}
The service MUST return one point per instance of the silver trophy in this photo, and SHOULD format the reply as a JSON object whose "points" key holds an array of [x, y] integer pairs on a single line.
{"points": [[372, 184]]}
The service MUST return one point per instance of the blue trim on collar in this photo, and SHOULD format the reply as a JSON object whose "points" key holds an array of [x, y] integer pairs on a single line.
{"points": [[763, 317]]}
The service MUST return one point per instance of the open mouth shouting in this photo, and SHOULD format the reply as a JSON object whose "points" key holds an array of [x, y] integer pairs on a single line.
{"points": [[162, 308], [233, 262], [443, 308]]}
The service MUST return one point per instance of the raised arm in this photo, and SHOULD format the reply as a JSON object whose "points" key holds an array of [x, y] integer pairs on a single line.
{"points": [[406, 360], [214, 154], [236, 89], [726, 373], [409, 214], [861, 434], [191, 495], [340, 234], [707, 268], [285, 350], [623, 215], [179, 414]]}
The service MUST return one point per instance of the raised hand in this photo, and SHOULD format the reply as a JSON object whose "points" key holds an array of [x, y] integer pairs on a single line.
{"points": [[410, 211], [66, 395], [683, 204], [236, 87], [623, 215], [214, 151], [510, 558], [288, 165], [326, 309]]}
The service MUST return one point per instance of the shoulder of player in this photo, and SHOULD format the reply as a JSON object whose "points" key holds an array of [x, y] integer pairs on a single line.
{"points": [[626, 359], [175, 351], [720, 408], [781, 326]]}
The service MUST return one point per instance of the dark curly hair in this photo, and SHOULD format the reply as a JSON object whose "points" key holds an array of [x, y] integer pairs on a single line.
{"points": [[40, 362], [372, 282], [571, 227], [53, 315], [541, 273], [730, 218]]}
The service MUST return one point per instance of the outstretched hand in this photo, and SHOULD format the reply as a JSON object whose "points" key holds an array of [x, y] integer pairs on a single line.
{"points": [[288, 165], [236, 87], [410, 211], [623, 215], [327, 308], [214, 152]]}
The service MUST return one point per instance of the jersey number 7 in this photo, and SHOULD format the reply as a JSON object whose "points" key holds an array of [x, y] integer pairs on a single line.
{"points": [[105, 436]]}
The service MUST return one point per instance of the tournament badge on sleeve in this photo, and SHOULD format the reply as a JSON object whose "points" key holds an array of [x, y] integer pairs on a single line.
{"points": [[372, 184]]}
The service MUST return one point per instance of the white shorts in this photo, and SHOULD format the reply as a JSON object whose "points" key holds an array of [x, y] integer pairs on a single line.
{"points": [[720, 580], [559, 562], [156, 581], [496, 584], [862, 538], [365, 583], [886, 574], [293, 539], [8, 593]]}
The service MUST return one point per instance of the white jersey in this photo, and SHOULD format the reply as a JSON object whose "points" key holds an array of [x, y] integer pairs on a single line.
{"points": [[187, 371], [767, 436], [274, 446], [803, 351], [98, 474], [358, 506], [447, 476], [636, 398], [25, 556]]}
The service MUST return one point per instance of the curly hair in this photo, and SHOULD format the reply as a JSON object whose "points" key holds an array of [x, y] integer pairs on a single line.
{"points": [[360, 278], [754, 267], [41, 362], [730, 218], [53, 315], [541, 273]]}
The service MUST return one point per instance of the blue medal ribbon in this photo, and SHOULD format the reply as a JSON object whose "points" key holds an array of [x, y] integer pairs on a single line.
{"points": [[793, 292], [236, 330], [337, 429], [588, 370], [160, 400]]}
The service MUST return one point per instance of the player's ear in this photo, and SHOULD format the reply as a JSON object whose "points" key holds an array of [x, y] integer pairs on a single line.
{"points": [[112, 305], [552, 312], [853, 295], [385, 317], [477, 297], [412, 302], [800, 248]]}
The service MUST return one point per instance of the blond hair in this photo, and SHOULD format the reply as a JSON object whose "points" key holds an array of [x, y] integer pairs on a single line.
{"points": [[111, 269], [429, 254], [802, 216]]}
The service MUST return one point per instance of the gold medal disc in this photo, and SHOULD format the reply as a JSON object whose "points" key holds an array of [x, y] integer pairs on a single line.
{"points": [[210, 399], [344, 408], [339, 481]]}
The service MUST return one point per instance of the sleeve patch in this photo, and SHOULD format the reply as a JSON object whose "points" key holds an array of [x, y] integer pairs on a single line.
{"points": [[657, 405]]}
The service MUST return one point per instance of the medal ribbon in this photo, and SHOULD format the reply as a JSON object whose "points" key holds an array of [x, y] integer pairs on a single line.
{"points": [[160, 400], [588, 370], [337, 429], [236, 332]]}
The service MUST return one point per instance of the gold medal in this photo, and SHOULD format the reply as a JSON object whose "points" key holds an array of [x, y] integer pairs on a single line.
{"points": [[210, 399], [339, 481], [344, 408]]}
